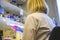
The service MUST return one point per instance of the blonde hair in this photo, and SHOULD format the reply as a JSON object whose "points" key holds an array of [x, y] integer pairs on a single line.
{"points": [[37, 5]]}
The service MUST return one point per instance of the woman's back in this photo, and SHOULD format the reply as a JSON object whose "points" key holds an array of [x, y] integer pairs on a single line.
{"points": [[44, 20], [37, 20]]}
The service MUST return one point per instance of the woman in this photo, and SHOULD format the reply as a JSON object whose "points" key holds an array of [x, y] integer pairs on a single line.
{"points": [[36, 19]]}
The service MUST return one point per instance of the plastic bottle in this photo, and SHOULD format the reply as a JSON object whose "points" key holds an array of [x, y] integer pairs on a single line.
{"points": [[18, 20], [12, 18], [7, 14], [15, 16], [21, 19], [13, 2]]}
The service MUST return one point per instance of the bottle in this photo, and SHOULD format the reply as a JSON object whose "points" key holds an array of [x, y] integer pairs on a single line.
{"points": [[15, 16], [18, 20], [7, 14], [21, 19], [18, 5], [24, 18], [14, 1], [11, 17]]}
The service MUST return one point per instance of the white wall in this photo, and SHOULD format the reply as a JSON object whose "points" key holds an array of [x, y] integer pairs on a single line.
{"points": [[53, 11]]}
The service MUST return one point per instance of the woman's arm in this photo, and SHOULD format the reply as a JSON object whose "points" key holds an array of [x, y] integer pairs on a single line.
{"points": [[29, 25]]}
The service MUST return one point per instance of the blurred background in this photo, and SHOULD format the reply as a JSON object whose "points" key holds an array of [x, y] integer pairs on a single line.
{"points": [[13, 14]]}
